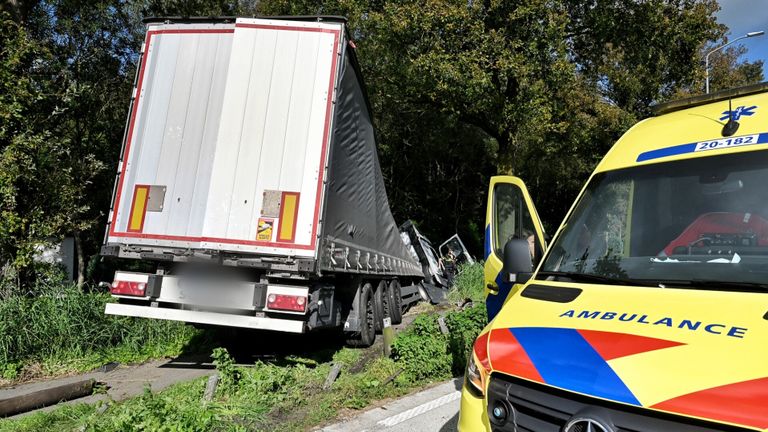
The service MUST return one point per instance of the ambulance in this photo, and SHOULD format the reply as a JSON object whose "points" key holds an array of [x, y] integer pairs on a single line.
{"points": [[648, 310]]}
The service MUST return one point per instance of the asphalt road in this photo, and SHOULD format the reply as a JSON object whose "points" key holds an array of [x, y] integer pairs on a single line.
{"points": [[432, 410]]}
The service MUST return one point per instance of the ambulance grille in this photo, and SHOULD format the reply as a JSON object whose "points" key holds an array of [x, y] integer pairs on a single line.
{"points": [[540, 408]]}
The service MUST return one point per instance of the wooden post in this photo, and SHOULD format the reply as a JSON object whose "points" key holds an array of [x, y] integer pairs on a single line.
{"points": [[332, 375], [210, 387], [443, 327], [389, 336], [392, 377]]}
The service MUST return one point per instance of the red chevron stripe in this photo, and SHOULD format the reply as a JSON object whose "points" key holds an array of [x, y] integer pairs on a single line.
{"points": [[615, 345], [508, 356], [742, 403], [481, 350]]}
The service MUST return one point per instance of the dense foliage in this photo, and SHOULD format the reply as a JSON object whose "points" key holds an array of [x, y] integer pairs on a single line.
{"points": [[460, 91], [425, 353]]}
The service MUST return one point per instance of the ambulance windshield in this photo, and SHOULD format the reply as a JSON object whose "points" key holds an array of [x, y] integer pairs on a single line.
{"points": [[699, 222]]}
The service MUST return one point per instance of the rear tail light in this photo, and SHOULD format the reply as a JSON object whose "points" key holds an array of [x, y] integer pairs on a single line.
{"points": [[128, 288], [293, 303], [130, 284]]}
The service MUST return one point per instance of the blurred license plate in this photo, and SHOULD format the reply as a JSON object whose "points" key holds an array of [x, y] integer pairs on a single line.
{"points": [[215, 293]]}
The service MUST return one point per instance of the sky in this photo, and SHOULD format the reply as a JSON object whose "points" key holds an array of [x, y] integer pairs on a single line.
{"points": [[742, 16]]}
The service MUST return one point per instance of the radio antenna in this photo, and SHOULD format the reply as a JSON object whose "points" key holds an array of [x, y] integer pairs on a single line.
{"points": [[732, 126]]}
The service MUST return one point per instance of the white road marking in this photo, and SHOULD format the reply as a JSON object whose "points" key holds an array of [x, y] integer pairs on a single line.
{"points": [[421, 409]]}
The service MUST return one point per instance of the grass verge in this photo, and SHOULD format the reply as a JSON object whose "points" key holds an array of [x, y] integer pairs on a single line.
{"points": [[64, 329], [287, 392]]}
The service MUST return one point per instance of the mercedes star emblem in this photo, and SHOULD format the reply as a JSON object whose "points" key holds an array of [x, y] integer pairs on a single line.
{"points": [[585, 424]]}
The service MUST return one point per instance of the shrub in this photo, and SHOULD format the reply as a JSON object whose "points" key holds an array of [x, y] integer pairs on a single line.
{"points": [[425, 353], [230, 375], [421, 350], [357, 390], [157, 412], [464, 327]]}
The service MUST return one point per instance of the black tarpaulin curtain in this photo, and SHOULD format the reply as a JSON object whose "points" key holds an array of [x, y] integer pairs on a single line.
{"points": [[357, 208]]}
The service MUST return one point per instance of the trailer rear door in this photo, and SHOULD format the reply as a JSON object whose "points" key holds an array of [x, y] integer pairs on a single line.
{"points": [[227, 139]]}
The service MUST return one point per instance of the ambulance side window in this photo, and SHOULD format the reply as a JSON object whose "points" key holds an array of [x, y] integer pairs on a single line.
{"points": [[511, 217]]}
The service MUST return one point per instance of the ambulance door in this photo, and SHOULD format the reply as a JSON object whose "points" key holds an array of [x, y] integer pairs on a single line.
{"points": [[510, 215]]}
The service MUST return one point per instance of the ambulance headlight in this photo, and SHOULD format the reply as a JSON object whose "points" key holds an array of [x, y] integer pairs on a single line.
{"points": [[474, 377]]}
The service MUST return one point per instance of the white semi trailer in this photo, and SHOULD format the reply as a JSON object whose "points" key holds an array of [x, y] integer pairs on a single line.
{"points": [[249, 177]]}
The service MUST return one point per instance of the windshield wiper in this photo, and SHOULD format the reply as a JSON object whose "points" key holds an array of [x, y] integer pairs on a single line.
{"points": [[703, 284], [713, 285], [593, 278]]}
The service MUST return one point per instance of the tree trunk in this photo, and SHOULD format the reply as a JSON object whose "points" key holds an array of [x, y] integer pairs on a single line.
{"points": [[505, 159]]}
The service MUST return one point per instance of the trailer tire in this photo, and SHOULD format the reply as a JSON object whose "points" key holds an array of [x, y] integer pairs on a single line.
{"points": [[380, 299], [395, 302], [366, 311]]}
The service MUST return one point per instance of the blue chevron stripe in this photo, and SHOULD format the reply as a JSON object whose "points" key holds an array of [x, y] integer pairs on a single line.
{"points": [[566, 360]]}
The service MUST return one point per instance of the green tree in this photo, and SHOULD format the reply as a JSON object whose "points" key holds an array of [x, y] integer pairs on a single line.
{"points": [[637, 53], [460, 90], [726, 70], [30, 178], [541, 89], [69, 92], [192, 8]]}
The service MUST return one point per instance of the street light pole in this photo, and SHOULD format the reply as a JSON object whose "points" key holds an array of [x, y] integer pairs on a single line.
{"points": [[706, 58]]}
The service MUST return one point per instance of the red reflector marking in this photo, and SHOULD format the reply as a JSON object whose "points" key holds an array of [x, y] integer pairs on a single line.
{"points": [[287, 302], [128, 288]]}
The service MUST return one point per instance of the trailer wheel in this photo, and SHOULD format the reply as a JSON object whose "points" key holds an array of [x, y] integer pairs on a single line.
{"points": [[366, 317], [380, 301], [395, 302]]}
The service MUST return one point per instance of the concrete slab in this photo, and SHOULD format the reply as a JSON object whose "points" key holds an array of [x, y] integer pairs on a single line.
{"points": [[123, 382]]}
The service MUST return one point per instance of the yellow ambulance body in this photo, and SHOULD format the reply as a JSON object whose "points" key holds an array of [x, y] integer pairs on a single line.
{"points": [[648, 310]]}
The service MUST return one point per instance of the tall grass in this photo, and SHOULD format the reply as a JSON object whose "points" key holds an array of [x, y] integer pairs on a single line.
{"points": [[468, 284], [65, 328]]}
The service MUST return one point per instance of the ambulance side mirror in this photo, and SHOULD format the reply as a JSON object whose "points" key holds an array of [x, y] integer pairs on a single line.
{"points": [[518, 265]]}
